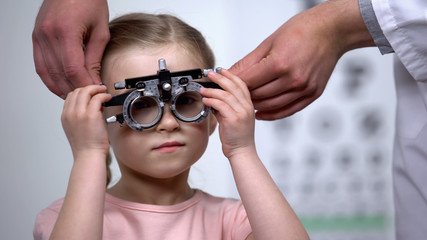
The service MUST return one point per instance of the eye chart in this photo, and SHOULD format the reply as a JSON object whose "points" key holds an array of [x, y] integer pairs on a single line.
{"points": [[333, 160]]}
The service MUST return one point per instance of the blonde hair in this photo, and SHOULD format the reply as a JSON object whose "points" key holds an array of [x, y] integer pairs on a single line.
{"points": [[155, 30], [150, 30]]}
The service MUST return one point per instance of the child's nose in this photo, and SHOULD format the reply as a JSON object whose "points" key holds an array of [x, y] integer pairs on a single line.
{"points": [[168, 122]]}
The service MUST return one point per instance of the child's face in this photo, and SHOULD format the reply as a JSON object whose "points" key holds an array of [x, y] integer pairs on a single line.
{"points": [[169, 148]]}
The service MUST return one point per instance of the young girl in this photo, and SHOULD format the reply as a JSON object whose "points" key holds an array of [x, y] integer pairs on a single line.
{"points": [[153, 199]]}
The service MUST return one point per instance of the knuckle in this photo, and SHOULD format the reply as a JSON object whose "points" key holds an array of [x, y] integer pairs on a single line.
{"points": [[41, 71], [45, 28], [228, 96], [279, 66], [104, 36], [318, 93], [64, 118], [34, 35], [55, 90], [49, 28], [78, 91], [72, 71], [95, 67], [238, 66], [299, 80], [311, 89], [257, 94], [68, 95], [54, 73]]}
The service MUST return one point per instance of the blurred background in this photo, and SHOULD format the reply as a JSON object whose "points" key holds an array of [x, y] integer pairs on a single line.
{"points": [[332, 160]]}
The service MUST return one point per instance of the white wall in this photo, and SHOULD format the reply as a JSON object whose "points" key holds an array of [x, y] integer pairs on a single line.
{"points": [[35, 155]]}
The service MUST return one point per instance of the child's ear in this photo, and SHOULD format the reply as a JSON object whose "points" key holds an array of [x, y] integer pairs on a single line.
{"points": [[212, 123]]}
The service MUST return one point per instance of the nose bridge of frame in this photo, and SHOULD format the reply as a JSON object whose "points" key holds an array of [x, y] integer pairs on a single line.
{"points": [[168, 115]]}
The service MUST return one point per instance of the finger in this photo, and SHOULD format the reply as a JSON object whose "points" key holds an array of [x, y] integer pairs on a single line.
{"points": [[52, 57], [47, 46], [234, 106], [272, 88], [72, 59], [252, 58], [69, 107], [209, 102], [94, 51], [222, 109], [258, 67], [220, 95], [67, 102], [283, 99], [87, 93], [239, 105], [285, 111], [239, 82], [56, 72], [96, 102], [232, 85], [265, 71], [41, 69]]}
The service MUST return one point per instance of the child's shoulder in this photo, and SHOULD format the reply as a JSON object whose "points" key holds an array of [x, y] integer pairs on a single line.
{"points": [[46, 219], [52, 208], [234, 219], [215, 203]]}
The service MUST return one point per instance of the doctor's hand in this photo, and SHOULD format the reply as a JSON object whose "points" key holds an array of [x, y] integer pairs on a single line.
{"points": [[69, 38], [290, 69]]}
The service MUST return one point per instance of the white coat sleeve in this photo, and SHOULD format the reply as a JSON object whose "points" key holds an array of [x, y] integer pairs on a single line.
{"points": [[404, 24]]}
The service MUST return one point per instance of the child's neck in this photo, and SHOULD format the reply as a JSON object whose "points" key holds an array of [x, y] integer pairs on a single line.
{"points": [[169, 191]]}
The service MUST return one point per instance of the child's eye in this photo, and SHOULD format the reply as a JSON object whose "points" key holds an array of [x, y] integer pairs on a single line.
{"points": [[189, 104], [141, 105], [186, 100], [144, 110]]}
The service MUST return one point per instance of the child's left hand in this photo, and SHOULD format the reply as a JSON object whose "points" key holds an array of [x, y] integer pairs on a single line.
{"points": [[234, 112]]}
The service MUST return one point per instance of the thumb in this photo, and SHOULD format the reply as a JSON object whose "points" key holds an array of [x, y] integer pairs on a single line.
{"points": [[73, 61], [94, 51], [245, 67], [252, 58]]}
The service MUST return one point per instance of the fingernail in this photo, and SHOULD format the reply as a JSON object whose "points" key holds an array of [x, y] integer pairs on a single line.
{"points": [[212, 73], [206, 72]]}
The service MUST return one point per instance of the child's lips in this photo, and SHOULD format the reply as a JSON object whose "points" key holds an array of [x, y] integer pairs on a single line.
{"points": [[169, 147]]}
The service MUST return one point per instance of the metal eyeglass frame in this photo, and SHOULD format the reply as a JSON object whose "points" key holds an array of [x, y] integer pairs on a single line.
{"points": [[172, 85]]}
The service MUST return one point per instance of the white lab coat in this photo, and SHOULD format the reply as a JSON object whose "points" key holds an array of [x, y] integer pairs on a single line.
{"points": [[404, 24]]}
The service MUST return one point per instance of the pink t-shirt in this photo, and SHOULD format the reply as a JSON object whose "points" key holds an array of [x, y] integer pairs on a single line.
{"points": [[201, 217]]}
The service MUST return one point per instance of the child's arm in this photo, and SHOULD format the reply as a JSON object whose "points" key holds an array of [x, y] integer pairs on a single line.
{"points": [[81, 215], [270, 215]]}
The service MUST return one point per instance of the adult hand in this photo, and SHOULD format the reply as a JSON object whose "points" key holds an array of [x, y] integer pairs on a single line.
{"points": [[69, 39], [290, 69]]}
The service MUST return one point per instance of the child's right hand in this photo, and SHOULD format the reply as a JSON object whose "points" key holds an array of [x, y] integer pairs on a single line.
{"points": [[83, 121], [234, 111]]}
